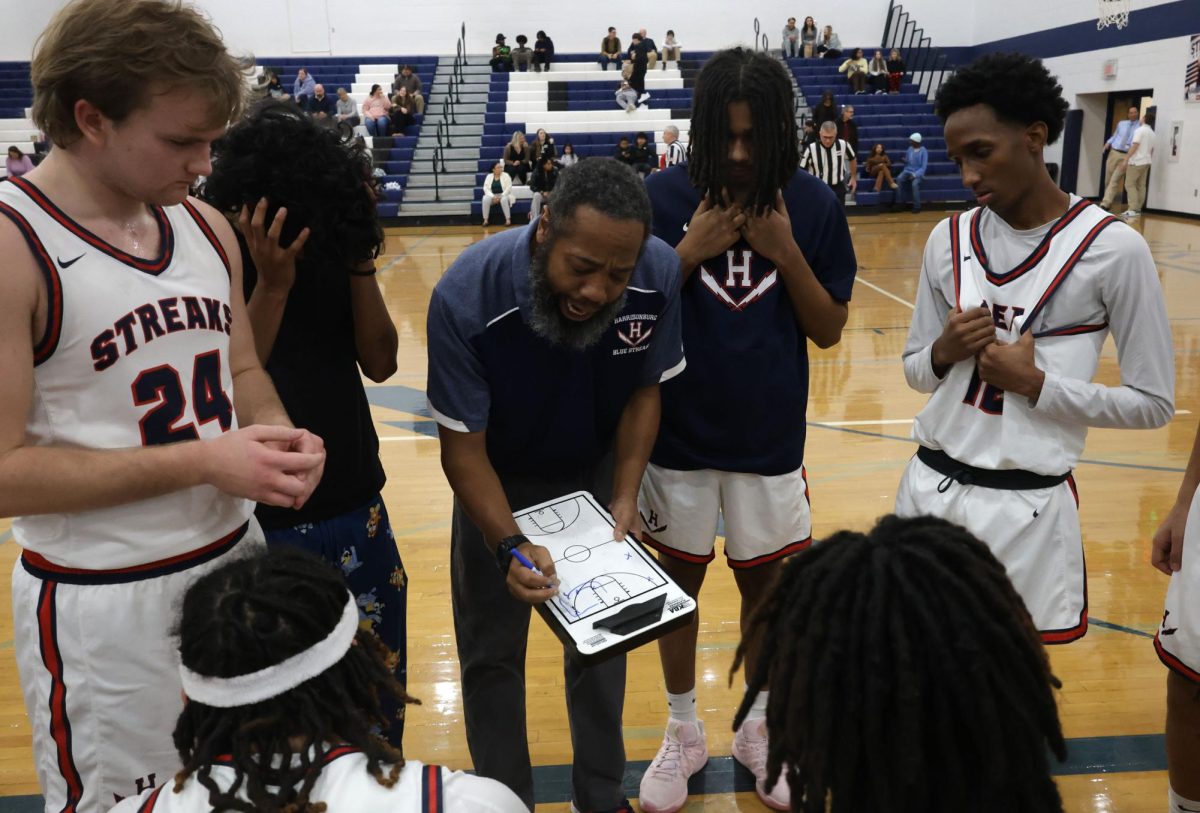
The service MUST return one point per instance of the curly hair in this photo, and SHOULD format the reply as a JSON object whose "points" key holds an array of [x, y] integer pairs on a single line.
{"points": [[610, 187], [319, 174], [1017, 87], [905, 674], [743, 75], [246, 616]]}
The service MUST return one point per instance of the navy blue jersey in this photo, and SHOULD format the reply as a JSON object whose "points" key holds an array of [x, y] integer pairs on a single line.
{"points": [[740, 404], [547, 409]]}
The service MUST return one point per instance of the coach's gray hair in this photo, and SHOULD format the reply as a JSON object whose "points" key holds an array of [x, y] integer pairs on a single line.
{"points": [[829, 127], [611, 188], [672, 129]]}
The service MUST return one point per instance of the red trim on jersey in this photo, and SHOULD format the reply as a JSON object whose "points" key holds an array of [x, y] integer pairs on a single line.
{"points": [[744, 564], [1074, 489], [1066, 270], [43, 568], [54, 307], [1173, 663], [956, 260], [1068, 635], [973, 236], [431, 789], [677, 554], [156, 266], [211, 235], [60, 725], [1035, 257], [1074, 330], [148, 805], [330, 755]]}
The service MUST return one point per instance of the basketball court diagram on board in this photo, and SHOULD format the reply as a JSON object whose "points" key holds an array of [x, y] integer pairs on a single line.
{"points": [[595, 572]]}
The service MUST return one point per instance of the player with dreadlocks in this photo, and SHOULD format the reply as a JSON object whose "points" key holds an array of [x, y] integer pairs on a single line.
{"points": [[765, 254], [283, 703], [906, 675]]}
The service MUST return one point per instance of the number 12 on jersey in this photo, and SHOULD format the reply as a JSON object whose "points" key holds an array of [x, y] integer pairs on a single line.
{"points": [[163, 388], [983, 396]]}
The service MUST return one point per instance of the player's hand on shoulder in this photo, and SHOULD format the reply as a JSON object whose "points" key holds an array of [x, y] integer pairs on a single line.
{"points": [[712, 230], [275, 264], [964, 335], [769, 232], [525, 584], [250, 463], [1166, 547]]}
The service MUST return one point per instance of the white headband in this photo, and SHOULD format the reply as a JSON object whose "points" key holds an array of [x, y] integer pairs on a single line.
{"points": [[244, 690]]}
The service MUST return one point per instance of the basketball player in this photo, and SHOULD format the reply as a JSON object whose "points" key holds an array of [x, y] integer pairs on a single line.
{"points": [[123, 357], [269, 678], [1014, 303], [1175, 552], [767, 262]]}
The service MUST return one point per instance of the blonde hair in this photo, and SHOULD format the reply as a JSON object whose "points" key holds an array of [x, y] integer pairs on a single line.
{"points": [[517, 138], [116, 54]]}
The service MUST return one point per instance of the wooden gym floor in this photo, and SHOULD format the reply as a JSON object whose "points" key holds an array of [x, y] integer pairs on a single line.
{"points": [[1112, 702]]}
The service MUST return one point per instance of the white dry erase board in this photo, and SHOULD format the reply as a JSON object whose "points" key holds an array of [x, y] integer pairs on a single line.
{"points": [[612, 595]]}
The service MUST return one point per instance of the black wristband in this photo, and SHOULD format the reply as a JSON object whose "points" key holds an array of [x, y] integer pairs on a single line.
{"points": [[505, 548], [368, 273]]}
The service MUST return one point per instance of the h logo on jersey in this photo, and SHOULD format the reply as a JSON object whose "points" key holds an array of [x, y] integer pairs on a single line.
{"points": [[142, 782], [738, 277], [634, 334]]}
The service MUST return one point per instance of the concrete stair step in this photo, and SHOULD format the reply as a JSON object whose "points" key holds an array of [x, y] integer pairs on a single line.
{"points": [[445, 180], [428, 194], [413, 209]]}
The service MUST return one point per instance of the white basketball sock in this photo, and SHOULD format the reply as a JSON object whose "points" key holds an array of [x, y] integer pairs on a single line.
{"points": [[758, 709], [1180, 804], [682, 707]]}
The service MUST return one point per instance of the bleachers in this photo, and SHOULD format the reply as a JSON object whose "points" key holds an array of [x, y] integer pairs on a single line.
{"points": [[890, 120], [16, 95]]}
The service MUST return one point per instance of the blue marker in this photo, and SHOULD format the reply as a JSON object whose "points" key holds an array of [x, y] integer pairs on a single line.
{"points": [[523, 559]]}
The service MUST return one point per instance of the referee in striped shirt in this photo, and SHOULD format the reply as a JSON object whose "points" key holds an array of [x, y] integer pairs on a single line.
{"points": [[675, 153], [828, 158]]}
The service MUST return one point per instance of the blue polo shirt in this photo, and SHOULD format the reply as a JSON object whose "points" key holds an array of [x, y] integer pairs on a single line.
{"points": [[740, 405], [547, 409]]}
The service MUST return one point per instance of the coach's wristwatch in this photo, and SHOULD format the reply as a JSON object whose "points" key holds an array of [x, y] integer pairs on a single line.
{"points": [[504, 550]]}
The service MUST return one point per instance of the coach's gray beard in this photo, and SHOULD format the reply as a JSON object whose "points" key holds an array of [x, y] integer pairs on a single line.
{"points": [[547, 319]]}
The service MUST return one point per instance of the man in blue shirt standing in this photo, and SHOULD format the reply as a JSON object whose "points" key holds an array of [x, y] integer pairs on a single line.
{"points": [[1116, 149], [547, 346], [916, 161]]}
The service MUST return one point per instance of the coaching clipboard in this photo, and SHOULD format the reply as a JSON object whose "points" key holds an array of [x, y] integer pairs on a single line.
{"points": [[613, 596]]}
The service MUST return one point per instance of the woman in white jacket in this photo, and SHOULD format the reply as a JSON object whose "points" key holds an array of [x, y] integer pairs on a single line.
{"points": [[498, 186]]}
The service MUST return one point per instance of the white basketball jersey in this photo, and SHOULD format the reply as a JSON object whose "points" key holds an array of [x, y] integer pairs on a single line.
{"points": [[135, 353], [345, 786], [974, 422]]}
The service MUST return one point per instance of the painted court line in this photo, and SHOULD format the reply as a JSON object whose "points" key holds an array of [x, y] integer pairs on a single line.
{"points": [[886, 293]]}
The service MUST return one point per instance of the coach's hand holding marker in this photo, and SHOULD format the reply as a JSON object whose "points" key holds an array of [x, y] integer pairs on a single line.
{"points": [[531, 574]]}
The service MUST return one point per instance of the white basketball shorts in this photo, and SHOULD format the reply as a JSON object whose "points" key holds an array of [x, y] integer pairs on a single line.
{"points": [[1178, 639], [100, 671], [1033, 532], [766, 518]]}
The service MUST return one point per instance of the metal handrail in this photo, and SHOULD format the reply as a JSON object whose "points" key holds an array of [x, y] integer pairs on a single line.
{"points": [[921, 57]]}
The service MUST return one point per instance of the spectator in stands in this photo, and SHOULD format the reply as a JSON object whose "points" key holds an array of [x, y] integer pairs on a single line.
{"points": [[862, 621], [896, 70], [543, 52], [275, 88], [877, 74], [639, 60], [639, 155], [501, 56], [672, 51], [541, 148], [675, 153], [809, 134], [651, 49], [829, 45], [879, 167], [375, 112], [789, 39], [345, 110], [498, 186], [627, 97], [522, 55], [568, 157], [855, 69], [412, 83], [610, 50], [516, 158], [848, 127], [833, 161], [624, 152], [826, 110], [321, 106], [1137, 165], [402, 112], [17, 163], [303, 87], [808, 38], [542, 184], [916, 161]]}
